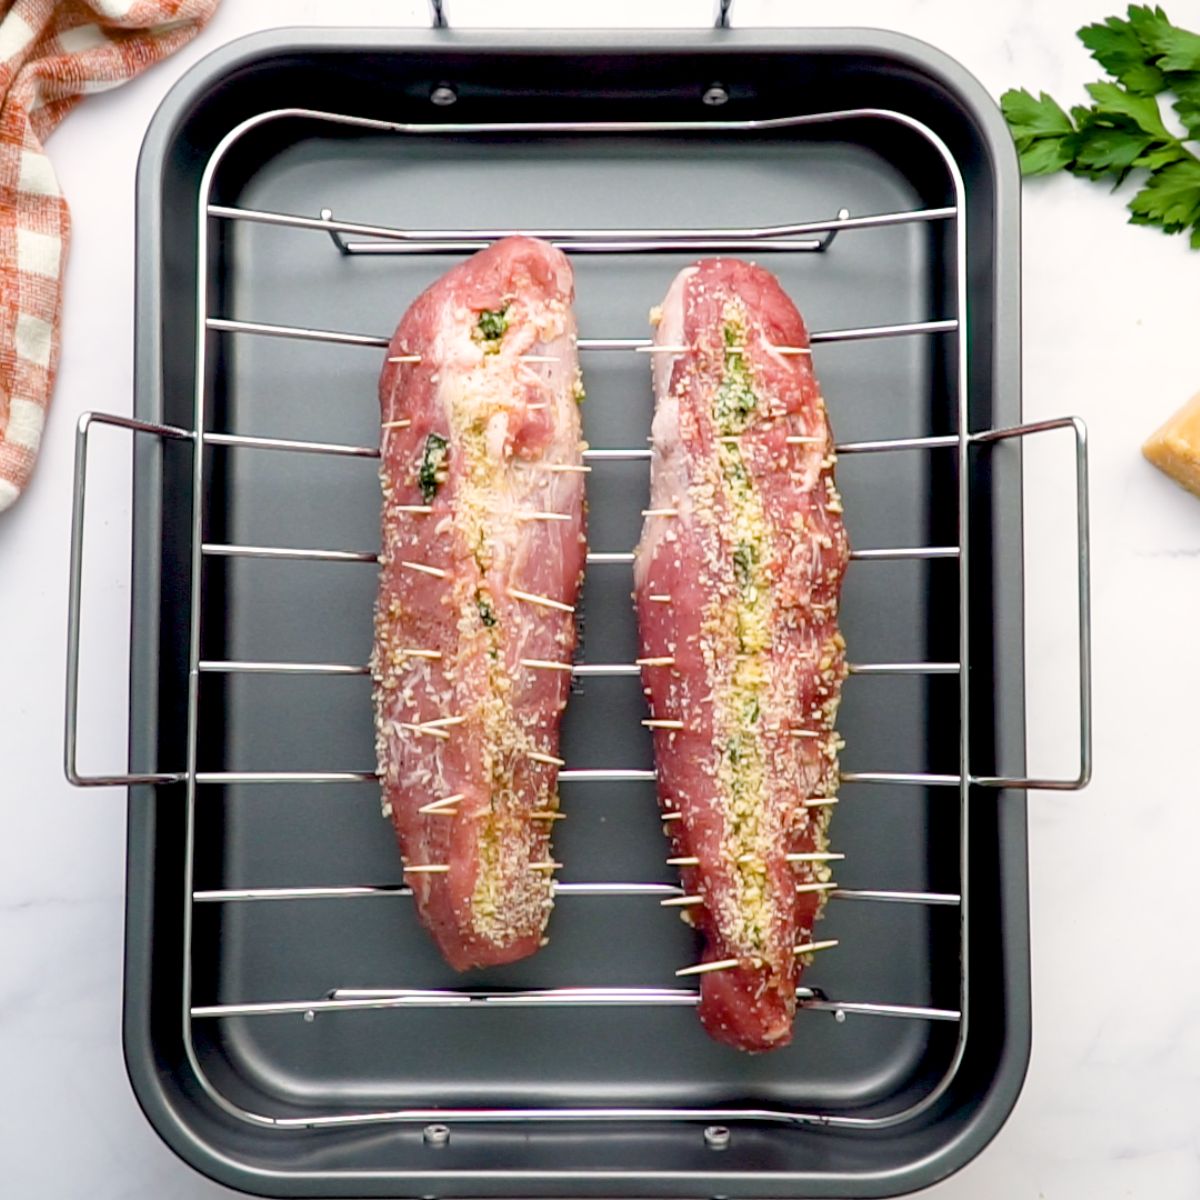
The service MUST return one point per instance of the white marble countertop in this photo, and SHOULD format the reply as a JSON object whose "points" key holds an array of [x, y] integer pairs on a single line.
{"points": [[1111, 1107]]}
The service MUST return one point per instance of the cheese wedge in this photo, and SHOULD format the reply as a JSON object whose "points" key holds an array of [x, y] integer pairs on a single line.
{"points": [[1175, 448]]}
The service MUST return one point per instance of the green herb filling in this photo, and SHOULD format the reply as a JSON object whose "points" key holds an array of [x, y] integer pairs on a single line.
{"points": [[490, 328], [432, 472]]}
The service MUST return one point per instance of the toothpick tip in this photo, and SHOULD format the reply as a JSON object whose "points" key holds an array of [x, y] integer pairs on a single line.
{"points": [[813, 947], [424, 568], [544, 601], [721, 964]]}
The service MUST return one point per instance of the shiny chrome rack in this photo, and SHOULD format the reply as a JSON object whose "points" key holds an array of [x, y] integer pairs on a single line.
{"points": [[815, 236]]}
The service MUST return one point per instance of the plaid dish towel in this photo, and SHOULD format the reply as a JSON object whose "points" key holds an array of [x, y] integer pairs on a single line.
{"points": [[53, 53]]}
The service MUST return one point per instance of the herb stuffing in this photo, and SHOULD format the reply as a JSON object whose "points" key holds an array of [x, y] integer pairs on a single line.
{"points": [[490, 328], [744, 561], [1123, 129], [735, 399], [486, 613], [432, 472]]}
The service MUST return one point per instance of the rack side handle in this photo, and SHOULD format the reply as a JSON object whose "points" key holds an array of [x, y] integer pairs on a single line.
{"points": [[1083, 537], [74, 602]]}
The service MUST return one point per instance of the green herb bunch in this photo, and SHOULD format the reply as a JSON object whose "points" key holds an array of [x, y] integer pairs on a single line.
{"points": [[1123, 129]]}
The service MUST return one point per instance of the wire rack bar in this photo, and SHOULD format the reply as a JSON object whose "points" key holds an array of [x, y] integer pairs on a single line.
{"points": [[904, 668], [902, 778], [593, 889], [250, 442], [358, 999], [338, 337], [630, 454], [609, 557], [222, 550], [391, 240], [567, 775], [228, 550], [221, 666], [664, 246]]}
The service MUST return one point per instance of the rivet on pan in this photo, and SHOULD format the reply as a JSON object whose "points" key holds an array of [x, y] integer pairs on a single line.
{"points": [[716, 1137], [839, 1015], [436, 1135], [310, 1016], [443, 95], [715, 96]]}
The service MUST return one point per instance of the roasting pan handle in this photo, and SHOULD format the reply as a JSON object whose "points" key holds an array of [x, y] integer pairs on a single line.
{"points": [[437, 14], [86, 421], [1083, 536]]}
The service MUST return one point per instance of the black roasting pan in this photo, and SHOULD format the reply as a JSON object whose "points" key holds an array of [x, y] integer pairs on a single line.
{"points": [[314, 1045]]}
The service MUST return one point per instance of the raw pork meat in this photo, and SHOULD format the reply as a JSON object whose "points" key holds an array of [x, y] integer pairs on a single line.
{"points": [[483, 547]]}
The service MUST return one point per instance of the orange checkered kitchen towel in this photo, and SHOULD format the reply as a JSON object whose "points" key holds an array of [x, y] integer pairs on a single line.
{"points": [[53, 53]]}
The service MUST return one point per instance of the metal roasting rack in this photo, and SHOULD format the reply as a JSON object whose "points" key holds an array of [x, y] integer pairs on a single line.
{"points": [[352, 238]]}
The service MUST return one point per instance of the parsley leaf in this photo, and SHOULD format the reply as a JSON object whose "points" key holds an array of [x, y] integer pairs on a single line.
{"points": [[1040, 128], [1032, 118], [1148, 23], [1044, 156], [1187, 101], [1116, 46], [1171, 197], [1103, 146], [1114, 101], [1123, 129], [1160, 158], [1178, 49]]}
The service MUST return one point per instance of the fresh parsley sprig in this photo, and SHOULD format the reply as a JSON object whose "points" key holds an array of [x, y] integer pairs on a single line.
{"points": [[1122, 130]]}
